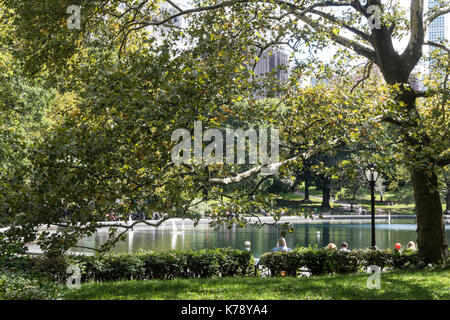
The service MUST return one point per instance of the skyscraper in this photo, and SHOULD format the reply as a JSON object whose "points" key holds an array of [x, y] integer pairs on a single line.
{"points": [[273, 63], [274, 60], [438, 31]]}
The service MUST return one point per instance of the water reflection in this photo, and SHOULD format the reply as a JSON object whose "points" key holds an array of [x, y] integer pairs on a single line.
{"points": [[357, 234]]}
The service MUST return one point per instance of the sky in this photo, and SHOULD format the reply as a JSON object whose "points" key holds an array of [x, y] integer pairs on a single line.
{"points": [[327, 54]]}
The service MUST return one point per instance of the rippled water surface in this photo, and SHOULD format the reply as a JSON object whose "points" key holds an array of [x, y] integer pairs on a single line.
{"points": [[357, 234]]}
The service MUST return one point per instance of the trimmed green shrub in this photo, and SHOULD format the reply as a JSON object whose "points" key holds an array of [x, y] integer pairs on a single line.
{"points": [[322, 261], [207, 263], [276, 262], [171, 264], [119, 266], [53, 268], [164, 265], [235, 262]]}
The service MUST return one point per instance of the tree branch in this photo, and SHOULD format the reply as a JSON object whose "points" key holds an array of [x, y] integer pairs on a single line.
{"points": [[334, 19], [350, 44], [435, 14], [174, 5], [444, 158], [413, 51], [251, 172], [437, 45]]}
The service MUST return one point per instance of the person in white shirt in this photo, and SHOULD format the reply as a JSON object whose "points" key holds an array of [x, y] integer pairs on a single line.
{"points": [[281, 245], [344, 247]]}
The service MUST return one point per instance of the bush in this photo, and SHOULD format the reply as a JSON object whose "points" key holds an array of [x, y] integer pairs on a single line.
{"points": [[236, 262], [205, 263], [9, 250], [322, 261], [23, 287], [171, 264], [53, 268], [279, 186], [290, 262], [164, 265], [121, 266]]}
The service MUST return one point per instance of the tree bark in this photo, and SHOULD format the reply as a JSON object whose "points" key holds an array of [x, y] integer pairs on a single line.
{"points": [[326, 190], [431, 234], [307, 186], [447, 197], [355, 190], [431, 240]]}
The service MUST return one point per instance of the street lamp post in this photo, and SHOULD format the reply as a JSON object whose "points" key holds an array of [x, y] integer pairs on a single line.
{"points": [[371, 175]]}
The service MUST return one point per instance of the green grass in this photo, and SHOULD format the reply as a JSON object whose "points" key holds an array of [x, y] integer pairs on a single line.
{"points": [[403, 200], [291, 196], [433, 284], [397, 208]]}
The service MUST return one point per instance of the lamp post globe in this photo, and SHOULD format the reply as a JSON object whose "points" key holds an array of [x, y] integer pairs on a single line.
{"points": [[371, 173]]}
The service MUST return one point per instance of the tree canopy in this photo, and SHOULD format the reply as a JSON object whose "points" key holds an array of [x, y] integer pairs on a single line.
{"points": [[128, 84]]}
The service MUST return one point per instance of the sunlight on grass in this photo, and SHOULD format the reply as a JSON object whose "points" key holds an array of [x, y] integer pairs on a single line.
{"points": [[394, 285]]}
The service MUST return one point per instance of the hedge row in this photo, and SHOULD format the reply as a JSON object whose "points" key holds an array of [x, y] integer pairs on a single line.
{"points": [[207, 263], [322, 261], [145, 265]]}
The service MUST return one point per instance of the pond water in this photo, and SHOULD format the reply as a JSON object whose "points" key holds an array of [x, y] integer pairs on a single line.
{"points": [[356, 233]]}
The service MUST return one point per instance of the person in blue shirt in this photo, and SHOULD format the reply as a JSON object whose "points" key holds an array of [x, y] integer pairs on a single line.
{"points": [[281, 245]]}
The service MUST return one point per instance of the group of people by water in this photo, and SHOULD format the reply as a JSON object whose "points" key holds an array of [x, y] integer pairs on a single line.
{"points": [[282, 246]]}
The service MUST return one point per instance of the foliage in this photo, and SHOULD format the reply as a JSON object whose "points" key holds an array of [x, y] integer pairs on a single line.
{"points": [[43, 277], [9, 250], [16, 286], [205, 263], [111, 267], [134, 86]]}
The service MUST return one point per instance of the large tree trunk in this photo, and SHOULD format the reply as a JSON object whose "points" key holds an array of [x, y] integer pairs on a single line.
{"points": [[355, 190], [431, 240], [326, 190], [295, 183], [447, 197], [396, 69], [306, 186], [431, 234]]}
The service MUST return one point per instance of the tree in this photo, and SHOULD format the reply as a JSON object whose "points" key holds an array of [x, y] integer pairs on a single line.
{"points": [[246, 23], [376, 44], [447, 193], [24, 105]]}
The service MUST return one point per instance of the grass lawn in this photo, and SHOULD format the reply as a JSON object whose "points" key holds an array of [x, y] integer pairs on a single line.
{"points": [[315, 202], [403, 200], [397, 208], [433, 284]]}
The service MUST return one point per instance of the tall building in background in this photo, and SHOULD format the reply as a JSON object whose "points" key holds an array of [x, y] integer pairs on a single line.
{"points": [[273, 60], [438, 31], [273, 63]]}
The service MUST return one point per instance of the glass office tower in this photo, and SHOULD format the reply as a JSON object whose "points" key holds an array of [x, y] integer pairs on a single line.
{"points": [[439, 28]]}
